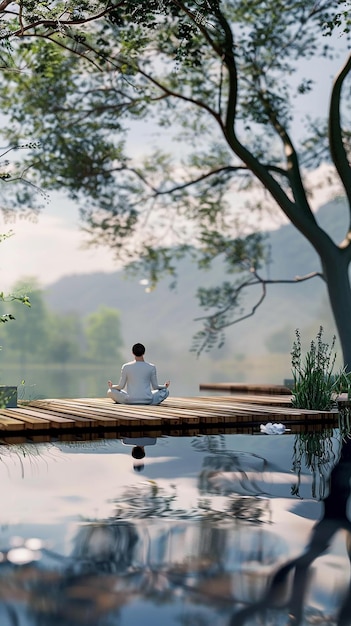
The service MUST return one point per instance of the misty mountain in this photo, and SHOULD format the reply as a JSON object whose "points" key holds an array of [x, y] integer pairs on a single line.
{"points": [[164, 318], [172, 311]]}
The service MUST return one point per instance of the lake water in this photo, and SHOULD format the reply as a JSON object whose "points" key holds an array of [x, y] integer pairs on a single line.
{"points": [[206, 530]]}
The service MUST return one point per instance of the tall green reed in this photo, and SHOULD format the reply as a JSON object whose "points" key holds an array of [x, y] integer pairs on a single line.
{"points": [[315, 385]]}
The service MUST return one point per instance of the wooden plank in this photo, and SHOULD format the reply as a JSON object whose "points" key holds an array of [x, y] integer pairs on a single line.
{"points": [[78, 422], [277, 411], [59, 420], [84, 418], [156, 413], [270, 400], [31, 422], [224, 412], [137, 411], [152, 413], [38, 438], [54, 420], [9, 423], [96, 416], [64, 407], [13, 439], [245, 388]]}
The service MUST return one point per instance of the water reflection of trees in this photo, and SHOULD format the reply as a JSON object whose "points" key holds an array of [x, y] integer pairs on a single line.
{"points": [[211, 563], [315, 451], [149, 500], [296, 573], [318, 452], [113, 564], [232, 472], [210, 443], [148, 549]]}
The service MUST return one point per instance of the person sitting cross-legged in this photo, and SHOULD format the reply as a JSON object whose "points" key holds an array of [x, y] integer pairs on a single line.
{"points": [[140, 379]]}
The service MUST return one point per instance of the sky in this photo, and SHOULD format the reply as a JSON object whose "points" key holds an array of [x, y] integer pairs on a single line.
{"points": [[54, 246], [49, 248]]}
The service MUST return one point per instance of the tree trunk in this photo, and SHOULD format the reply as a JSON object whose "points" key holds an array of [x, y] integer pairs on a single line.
{"points": [[336, 272]]}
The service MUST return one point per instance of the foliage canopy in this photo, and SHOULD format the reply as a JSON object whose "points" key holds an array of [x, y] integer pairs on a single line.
{"points": [[221, 79]]}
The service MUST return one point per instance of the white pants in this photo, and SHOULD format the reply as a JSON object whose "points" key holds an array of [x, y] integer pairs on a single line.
{"points": [[121, 397]]}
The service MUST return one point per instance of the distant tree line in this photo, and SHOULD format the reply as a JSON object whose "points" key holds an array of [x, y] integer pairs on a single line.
{"points": [[40, 335]]}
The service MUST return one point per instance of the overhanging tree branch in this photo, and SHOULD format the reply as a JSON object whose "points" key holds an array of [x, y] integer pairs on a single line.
{"points": [[55, 23], [5, 4], [199, 179], [229, 131], [215, 323], [293, 168], [337, 149]]}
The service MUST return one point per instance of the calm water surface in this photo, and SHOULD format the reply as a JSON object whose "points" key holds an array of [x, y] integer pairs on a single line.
{"points": [[206, 530]]}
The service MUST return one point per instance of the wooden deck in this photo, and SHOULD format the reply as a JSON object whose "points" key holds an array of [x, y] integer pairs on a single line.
{"points": [[92, 418]]}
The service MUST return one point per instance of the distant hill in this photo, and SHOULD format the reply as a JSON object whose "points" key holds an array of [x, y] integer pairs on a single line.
{"points": [[164, 318]]}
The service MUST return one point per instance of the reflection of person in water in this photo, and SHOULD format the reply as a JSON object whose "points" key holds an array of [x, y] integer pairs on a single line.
{"points": [[334, 518], [138, 449]]}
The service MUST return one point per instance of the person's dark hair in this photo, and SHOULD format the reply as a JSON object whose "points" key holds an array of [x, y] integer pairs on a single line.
{"points": [[138, 349], [138, 452]]}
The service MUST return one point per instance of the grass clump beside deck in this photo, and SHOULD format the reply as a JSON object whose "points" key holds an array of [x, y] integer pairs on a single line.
{"points": [[315, 385]]}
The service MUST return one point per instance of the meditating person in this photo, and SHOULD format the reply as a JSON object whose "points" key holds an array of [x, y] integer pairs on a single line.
{"points": [[140, 379]]}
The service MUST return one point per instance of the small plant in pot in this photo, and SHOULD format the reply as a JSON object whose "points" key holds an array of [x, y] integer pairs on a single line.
{"points": [[8, 393], [8, 396]]}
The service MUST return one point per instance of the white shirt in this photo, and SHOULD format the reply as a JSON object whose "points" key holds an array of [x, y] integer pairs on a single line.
{"points": [[140, 377]]}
